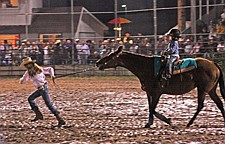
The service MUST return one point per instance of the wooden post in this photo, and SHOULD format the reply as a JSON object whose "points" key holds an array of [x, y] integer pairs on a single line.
{"points": [[193, 19], [181, 15]]}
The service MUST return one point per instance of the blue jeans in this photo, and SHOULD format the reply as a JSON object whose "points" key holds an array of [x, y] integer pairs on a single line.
{"points": [[169, 64], [44, 93]]}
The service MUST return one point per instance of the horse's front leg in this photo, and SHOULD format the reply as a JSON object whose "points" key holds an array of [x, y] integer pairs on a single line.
{"points": [[153, 101], [150, 116]]}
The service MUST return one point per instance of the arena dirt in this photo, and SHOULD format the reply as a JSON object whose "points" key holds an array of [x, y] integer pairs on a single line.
{"points": [[104, 110]]}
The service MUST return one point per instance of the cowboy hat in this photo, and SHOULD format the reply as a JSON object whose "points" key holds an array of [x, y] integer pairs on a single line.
{"points": [[57, 41], [26, 61]]}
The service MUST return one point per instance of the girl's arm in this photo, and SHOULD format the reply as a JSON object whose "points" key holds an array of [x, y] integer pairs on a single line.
{"points": [[24, 78], [49, 70]]}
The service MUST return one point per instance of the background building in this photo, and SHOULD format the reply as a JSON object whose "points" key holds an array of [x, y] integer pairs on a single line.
{"points": [[29, 20]]}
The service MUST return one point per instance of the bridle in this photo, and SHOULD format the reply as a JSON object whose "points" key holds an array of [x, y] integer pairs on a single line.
{"points": [[115, 59]]}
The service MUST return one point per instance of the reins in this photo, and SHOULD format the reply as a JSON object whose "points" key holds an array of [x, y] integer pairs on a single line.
{"points": [[69, 74], [77, 72]]}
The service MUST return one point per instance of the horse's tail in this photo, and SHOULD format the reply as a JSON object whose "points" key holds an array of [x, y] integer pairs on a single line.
{"points": [[221, 82]]}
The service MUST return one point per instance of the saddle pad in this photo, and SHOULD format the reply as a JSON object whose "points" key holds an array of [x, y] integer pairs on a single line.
{"points": [[187, 65]]}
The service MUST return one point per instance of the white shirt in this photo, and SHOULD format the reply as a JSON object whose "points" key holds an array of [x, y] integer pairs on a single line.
{"points": [[220, 47], [45, 49], [38, 79], [223, 16], [85, 49]]}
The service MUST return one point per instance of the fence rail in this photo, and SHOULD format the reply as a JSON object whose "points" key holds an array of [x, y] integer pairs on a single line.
{"points": [[62, 69]]}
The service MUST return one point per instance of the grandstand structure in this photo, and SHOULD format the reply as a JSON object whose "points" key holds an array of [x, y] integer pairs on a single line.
{"points": [[53, 34]]}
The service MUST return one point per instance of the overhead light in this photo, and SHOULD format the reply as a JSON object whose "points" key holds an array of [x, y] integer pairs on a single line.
{"points": [[117, 28]]}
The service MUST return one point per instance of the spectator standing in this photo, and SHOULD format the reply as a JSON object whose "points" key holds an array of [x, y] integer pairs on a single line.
{"points": [[143, 46], [223, 17], [40, 58], [79, 51], [91, 45], [220, 47], [2, 53], [104, 48], [212, 30], [8, 54], [212, 47], [220, 30], [46, 56], [22, 51], [196, 49], [57, 57], [126, 41], [35, 52], [160, 45], [86, 52], [83, 52], [137, 41], [133, 47], [188, 46], [67, 50], [181, 45]]}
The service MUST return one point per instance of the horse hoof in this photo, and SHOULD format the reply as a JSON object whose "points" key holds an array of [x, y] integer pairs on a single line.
{"points": [[174, 127], [147, 125], [169, 121]]}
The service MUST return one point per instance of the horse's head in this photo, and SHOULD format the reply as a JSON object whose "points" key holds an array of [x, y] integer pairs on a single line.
{"points": [[109, 61]]}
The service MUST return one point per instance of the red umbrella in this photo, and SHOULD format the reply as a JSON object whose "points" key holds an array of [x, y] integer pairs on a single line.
{"points": [[119, 20]]}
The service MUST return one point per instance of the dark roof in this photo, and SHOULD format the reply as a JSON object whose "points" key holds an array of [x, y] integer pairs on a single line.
{"points": [[12, 29], [45, 21]]}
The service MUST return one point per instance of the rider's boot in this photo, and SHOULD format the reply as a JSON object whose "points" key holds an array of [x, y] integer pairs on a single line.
{"points": [[38, 114], [60, 120]]}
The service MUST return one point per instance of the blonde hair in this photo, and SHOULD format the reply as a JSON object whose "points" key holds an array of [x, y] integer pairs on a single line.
{"points": [[36, 69]]}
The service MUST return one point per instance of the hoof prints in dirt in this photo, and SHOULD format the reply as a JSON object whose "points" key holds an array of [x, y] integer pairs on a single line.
{"points": [[108, 116]]}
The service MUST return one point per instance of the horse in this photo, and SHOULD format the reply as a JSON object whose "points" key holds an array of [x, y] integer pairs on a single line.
{"points": [[205, 78]]}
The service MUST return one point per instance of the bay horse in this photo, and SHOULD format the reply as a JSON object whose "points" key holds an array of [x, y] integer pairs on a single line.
{"points": [[205, 78]]}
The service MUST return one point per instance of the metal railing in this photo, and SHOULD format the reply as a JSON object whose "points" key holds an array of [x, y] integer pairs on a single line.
{"points": [[63, 63]]}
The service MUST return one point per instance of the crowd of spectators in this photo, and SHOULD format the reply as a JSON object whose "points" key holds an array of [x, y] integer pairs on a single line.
{"points": [[59, 52], [209, 43]]}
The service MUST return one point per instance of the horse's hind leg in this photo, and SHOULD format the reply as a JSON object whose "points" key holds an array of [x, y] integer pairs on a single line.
{"points": [[218, 102], [162, 118], [201, 98]]}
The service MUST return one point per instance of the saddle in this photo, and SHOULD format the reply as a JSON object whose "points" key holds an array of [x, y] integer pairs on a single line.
{"points": [[178, 62], [179, 66]]}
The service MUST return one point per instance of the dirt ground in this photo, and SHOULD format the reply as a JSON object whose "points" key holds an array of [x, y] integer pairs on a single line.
{"points": [[104, 110]]}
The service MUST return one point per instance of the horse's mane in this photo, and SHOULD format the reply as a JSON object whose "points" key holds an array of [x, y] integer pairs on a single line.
{"points": [[136, 61], [137, 54]]}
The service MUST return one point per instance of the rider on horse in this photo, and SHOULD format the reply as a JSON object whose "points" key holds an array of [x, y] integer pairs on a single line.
{"points": [[172, 51]]}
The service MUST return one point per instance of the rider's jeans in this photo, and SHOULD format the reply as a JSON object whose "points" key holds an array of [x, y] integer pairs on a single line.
{"points": [[44, 93], [169, 64]]}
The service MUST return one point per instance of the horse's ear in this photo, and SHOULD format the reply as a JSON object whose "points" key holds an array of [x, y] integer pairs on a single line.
{"points": [[119, 49]]}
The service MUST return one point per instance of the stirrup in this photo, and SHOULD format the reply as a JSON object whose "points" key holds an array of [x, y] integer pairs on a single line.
{"points": [[164, 77], [168, 76]]}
